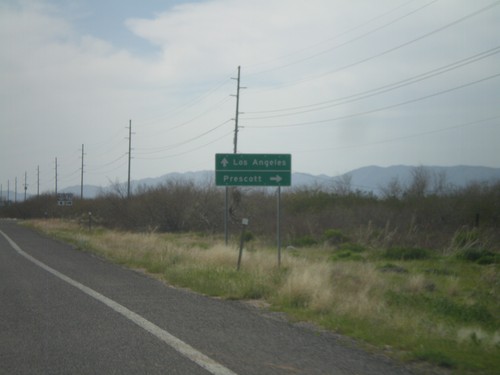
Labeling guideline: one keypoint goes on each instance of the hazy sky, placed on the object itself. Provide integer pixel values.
(339, 84)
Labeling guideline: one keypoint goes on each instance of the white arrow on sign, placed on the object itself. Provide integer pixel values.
(277, 179)
(224, 162)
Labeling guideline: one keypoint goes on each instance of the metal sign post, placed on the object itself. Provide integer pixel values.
(244, 224)
(278, 225)
(254, 170)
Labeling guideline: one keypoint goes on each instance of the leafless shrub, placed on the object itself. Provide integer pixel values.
(403, 216)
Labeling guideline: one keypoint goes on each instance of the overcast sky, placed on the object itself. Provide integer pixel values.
(339, 84)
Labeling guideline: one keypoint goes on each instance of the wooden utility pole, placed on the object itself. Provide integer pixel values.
(237, 112)
(129, 155)
(56, 176)
(235, 144)
(25, 184)
(81, 183)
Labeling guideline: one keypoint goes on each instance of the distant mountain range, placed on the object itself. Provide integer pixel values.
(375, 178)
(367, 179)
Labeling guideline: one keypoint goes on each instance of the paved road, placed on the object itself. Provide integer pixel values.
(63, 311)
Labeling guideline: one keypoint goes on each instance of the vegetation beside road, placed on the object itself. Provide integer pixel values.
(414, 303)
(414, 271)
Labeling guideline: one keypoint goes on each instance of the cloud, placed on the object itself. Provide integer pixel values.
(60, 89)
(62, 86)
(229, 33)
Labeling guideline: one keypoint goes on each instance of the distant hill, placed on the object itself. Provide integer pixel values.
(367, 179)
(375, 178)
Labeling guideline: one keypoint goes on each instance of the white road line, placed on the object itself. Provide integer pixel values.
(186, 350)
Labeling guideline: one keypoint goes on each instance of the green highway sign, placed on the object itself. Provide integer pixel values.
(253, 169)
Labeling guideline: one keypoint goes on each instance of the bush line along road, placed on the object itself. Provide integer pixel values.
(65, 311)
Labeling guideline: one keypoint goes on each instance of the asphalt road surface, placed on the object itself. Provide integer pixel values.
(63, 311)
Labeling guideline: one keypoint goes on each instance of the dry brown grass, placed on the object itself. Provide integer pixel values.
(357, 288)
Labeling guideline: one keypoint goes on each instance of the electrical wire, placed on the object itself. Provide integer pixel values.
(188, 151)
(66, 177)
(352, 40)
(104, 142)
(125, 162)
(319, 122)
(175, 145)
(211, 109)
(376, 91)
(385, 52)
(397, 139)
(186, 105)
(348, 31)
(92, 168)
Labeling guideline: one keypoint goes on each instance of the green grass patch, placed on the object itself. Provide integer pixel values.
(444, 307)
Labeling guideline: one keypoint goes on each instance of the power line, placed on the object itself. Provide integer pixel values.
(359, 37)
(95, 169)
(184, 123)
(68, 176)
(317, 122)
(376, 91)
(188, 151)
(175, 145)
(187, 104)
(120, 166)
(387, 51)
(363, 24)
(415, 135)
(106, 143)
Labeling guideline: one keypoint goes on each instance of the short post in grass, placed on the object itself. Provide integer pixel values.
(90, 221)
(244, 224)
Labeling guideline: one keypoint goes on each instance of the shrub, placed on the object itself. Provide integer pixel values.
(248, 236)
(479, 256)
(334, 236)
(407, 253)
(389, 267)
(352, 247)
(346, 255)
(304, 241)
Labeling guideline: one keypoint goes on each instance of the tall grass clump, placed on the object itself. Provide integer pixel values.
(307, 286)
